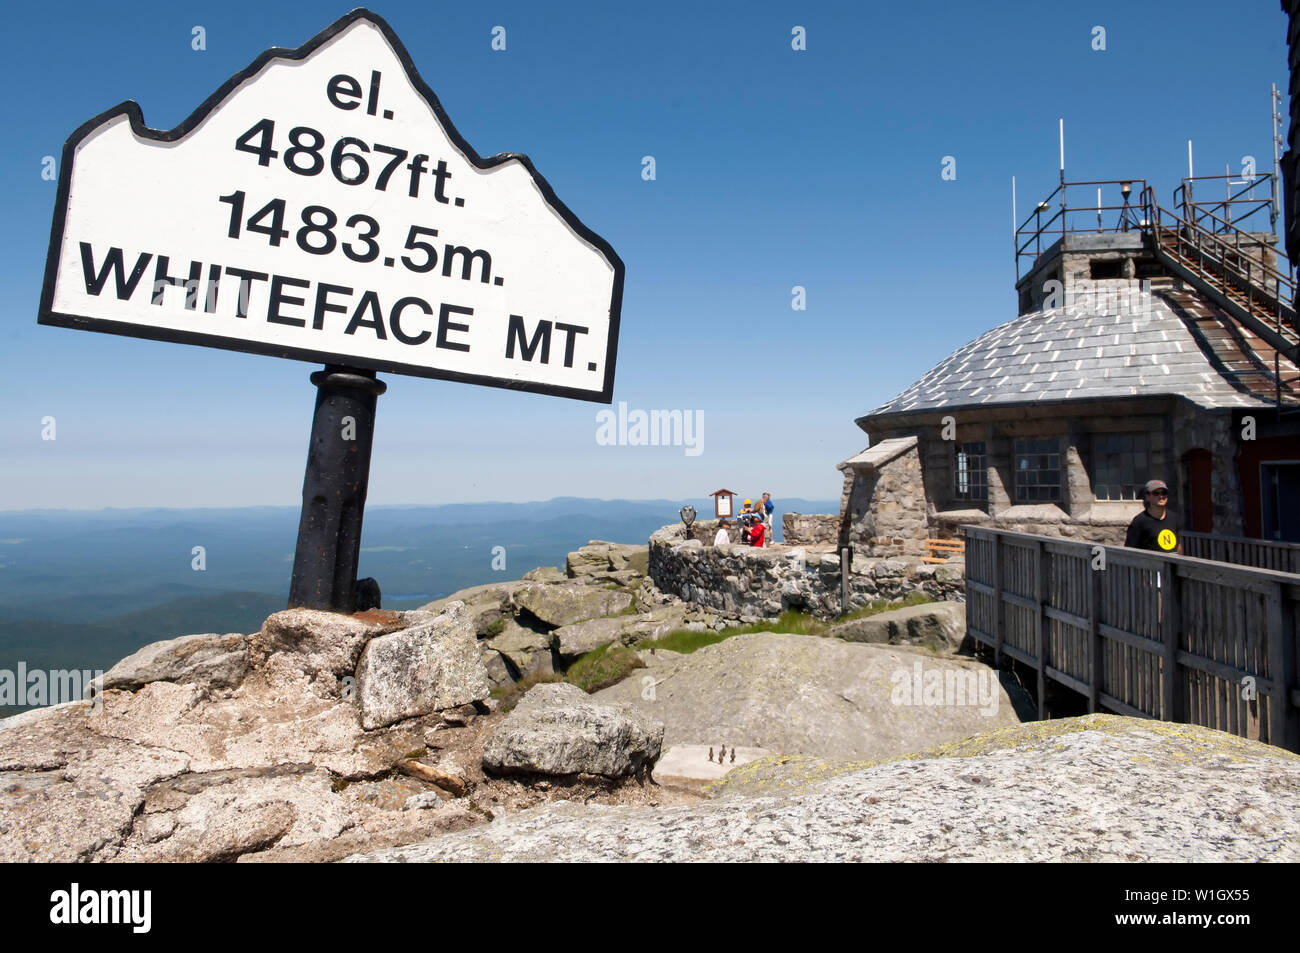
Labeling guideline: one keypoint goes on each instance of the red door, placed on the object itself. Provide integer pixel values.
(1200, 504)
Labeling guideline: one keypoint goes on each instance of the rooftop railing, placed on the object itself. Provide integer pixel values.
(1076, 208)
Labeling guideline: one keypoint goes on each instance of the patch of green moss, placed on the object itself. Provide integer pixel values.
(1192, 739)
(495, 628)
(796, 623)
(784, 774)
(603, 667)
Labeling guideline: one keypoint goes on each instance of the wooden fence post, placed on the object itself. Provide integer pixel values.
(965, 575)
(1283, 730)
(997, 600)
(1171, 623)
(846, 567)
(1040, 625)
(1095, 663)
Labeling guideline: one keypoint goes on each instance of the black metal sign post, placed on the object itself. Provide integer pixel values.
(334, 489)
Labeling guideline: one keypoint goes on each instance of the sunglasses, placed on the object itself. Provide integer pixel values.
(1158, 493)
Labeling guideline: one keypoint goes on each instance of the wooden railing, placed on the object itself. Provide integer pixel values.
(1242, 551)
(1140, 633)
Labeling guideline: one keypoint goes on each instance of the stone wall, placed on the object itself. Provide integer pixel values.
(886, 509)
(751, 584)
(1107, 523)
(801, 529)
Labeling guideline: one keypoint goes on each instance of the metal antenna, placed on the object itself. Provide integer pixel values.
(1277, 141)
(1015, 226)
(1062, 138)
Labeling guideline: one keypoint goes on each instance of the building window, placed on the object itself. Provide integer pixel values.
(972, 471)
(1106, 269)
(1120, 465)
(1038, 471)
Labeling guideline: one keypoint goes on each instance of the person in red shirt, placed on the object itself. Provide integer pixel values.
(756, 533)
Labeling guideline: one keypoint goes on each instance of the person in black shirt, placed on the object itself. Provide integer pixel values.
(1155, 527)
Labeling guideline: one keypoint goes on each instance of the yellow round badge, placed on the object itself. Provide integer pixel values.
(1167, 540)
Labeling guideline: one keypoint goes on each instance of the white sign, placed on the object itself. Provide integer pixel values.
(321, 206)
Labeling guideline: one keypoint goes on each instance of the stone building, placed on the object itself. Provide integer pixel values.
(1130, 360)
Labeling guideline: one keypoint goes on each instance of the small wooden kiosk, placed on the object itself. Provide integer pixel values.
(723, 504)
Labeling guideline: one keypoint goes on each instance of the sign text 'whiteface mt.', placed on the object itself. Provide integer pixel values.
(321, 206)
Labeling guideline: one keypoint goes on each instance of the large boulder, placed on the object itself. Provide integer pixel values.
(219, 661)
(1101, 788)
(560, 604)
(582, 637)
(544, 574)
(277, 767)
(315, 643)
(599, 557)
(425, 668)
(632, 558)
(593, 557)
(556, 729)
(803, 694)
(498, 670)
(486, 605)
(937, 625)
(526, 649)
(655, 623)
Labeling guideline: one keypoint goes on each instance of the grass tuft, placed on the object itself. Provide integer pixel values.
(591, 672)
(603, 667)
(799, 623)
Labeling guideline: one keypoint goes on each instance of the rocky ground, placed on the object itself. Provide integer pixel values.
(819, 696)
(380, 736)
(1098, 788)
(318, 736)
(540, 624)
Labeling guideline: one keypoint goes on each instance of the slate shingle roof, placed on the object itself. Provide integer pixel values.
(1122, 348)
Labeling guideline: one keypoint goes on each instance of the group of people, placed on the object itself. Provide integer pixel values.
(755, 522)
(1153, 528)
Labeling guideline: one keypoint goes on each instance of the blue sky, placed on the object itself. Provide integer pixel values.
(775, 168)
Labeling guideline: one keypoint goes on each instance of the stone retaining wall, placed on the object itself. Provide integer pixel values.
(819, 529)
(751, 584)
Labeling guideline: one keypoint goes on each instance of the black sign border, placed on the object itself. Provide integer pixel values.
(132, 111)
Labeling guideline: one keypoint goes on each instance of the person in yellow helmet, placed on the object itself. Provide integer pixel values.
(745, 519)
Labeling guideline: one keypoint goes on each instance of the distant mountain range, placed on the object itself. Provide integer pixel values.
(82, 589)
